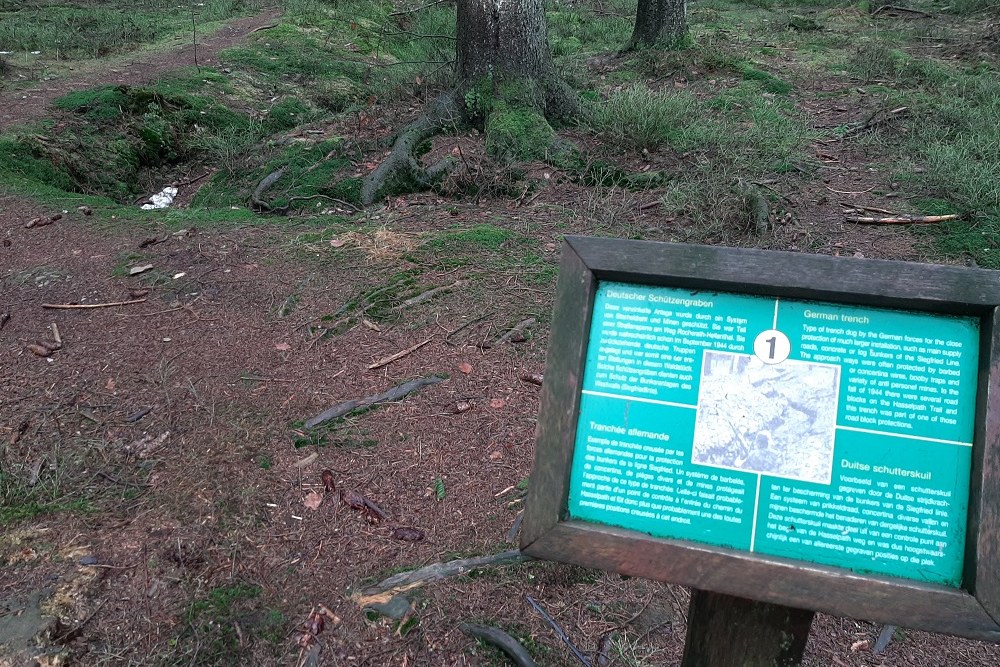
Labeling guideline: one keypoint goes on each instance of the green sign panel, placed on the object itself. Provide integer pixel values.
(832, 434)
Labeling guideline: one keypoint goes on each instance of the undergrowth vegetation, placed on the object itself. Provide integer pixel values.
(294, 108)
(83, 29)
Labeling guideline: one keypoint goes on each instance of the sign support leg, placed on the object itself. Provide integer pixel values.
(727, 631)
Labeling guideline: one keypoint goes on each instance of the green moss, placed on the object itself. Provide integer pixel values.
(286, 114)
(768, 81)
(477, 237)
(519, 133)
(25, 159)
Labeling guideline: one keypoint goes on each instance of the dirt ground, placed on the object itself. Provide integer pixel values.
(199, 529)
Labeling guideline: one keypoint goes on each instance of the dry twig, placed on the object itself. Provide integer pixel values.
(902, 219)
(385, 590)
(399, 355)
(394, 394)
(559, 631)
(85, 306)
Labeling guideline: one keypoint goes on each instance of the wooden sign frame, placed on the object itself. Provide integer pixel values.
(971, 611)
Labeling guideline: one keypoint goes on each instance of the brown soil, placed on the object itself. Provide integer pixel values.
(226, 362)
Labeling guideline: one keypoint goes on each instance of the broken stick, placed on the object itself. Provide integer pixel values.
(558, 630)
(903, 219)
(518, 329)
(83, 306)
(424, 296)
(55, 334)
(394, 394)
(399, 355)
(385, 590)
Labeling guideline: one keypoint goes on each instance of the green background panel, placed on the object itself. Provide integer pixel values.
(629, 504)
(949, 466)
(678, 423)
(758, 311)
(963, 332)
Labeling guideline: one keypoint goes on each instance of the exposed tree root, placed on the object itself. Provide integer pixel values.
(402, 169)
(501, 640)
(405, 581)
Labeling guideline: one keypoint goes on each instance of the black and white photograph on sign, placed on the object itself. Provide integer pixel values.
(773, 419)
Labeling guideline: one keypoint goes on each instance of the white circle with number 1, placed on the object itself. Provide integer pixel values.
(772, 346)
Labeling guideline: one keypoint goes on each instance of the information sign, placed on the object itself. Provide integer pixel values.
(810, 432)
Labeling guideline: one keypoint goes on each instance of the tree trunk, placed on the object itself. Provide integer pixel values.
(658, 22)
(727, 631)
(508, 40)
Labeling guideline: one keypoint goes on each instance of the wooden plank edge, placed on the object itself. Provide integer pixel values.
(984, 493)
(548, 485)
(894, 284)
(781, 581)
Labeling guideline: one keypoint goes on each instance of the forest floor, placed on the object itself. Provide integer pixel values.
(162, 501)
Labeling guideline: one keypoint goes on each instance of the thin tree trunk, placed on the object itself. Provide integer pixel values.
(658, 22)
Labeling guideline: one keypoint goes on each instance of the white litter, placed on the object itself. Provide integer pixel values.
(161, 199)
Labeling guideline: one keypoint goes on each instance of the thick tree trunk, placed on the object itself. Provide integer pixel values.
(507, 40)
(658, 22)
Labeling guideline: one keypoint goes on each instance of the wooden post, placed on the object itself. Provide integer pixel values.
(727, 631)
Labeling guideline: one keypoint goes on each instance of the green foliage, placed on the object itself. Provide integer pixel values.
(439, 490)
(638, 116)
(125, 130)
(518, 133)
(25, 158)
(212, 621)
(955, 140)
(343, 62)
(878, 61)
(82, 29)
(971, 7)
(310, 170)
(768, 81)
(754, 133)
(575, 31)
(471, 240)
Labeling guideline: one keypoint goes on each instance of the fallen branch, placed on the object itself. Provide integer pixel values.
(905, 10)
(875, 120)
(263, 187)
(394, 394)
(873, 209)
(385, 590)
(284, 209)
(501, 640)
(424, 296)
(760, 214)
(447, 338)
(55, 334)
(902, 219)
(517, 329)
(84, 306)
(559, 631)
(263, 27)
(403, 12)
(399, 355)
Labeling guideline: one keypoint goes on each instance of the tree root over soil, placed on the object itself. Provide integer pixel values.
(394, 394)
(384, 591)
(402, 169)
(501, 640)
